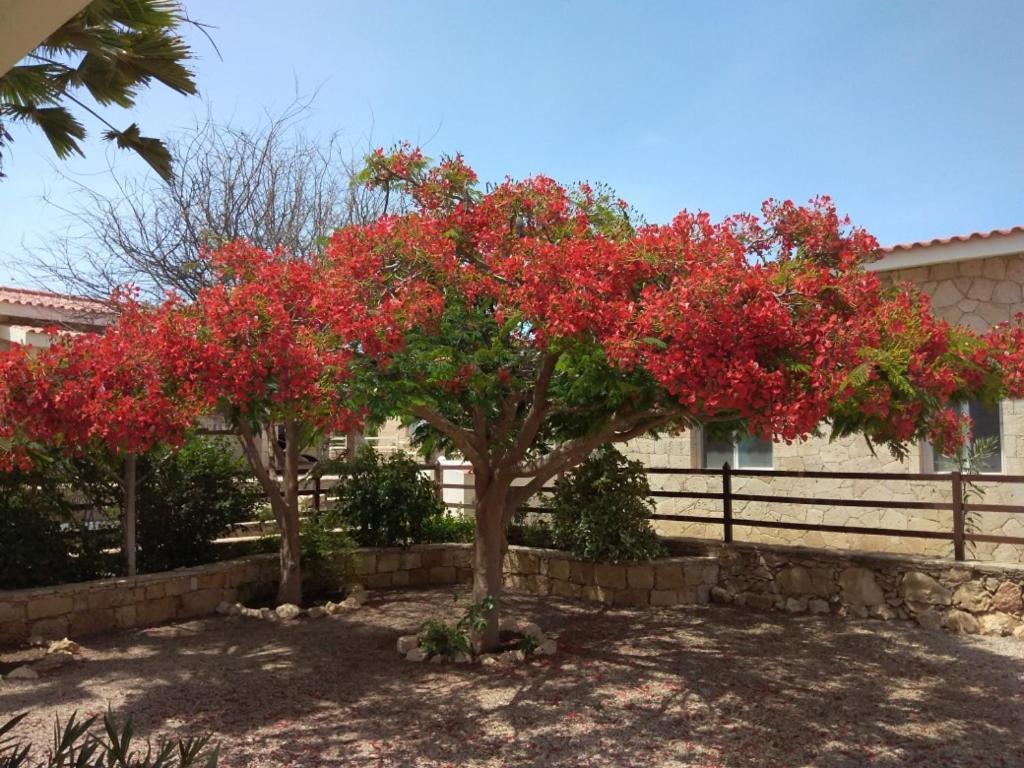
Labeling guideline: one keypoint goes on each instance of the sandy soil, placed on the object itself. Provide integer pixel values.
(673, 687)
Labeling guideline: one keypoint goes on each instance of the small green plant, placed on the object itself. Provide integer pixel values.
(601, 509)
(327, 549)
(76, 744)
(974, 459)
(384, 502)
(439, 638)
(447, 528)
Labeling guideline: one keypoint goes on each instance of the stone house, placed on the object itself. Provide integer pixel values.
(976, 280)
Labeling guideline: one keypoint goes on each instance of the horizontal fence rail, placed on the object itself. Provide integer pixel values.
(725, 517)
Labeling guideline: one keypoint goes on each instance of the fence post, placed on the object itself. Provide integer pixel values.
(958, 515)
(439, 480)
(727, 503)
(316, 494)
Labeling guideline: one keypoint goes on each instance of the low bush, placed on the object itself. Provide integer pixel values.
(446, 528)
(438, 638)
(186, 499)
(80, 744)
(600, 510)
(40, 542)
(531, 530)
(327, 550)
(383, 501)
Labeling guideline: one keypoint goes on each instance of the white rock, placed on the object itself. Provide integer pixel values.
(532, 630)
(23, 673)
(53, 661)
(406, 643)
(316, 612)
(463, 658)
(489, 660)
(351, 603)
(252, 613)
(357, 590)
(288, 612)
(223, 608)
(436, 658)
(416, 654)
(67, 644)
(548, 648)
(516, 655)
(796, 605)
(817, 606)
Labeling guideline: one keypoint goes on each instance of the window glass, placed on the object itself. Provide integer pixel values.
(755, 453)
(717, 451)
(986, 429)
(748, 453)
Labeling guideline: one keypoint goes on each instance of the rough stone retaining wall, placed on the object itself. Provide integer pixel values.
(972, 597)
(92, 607)
(668, 581)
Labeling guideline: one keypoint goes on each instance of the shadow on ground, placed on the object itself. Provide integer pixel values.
(671, 687)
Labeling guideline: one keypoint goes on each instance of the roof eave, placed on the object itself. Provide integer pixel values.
(941, 253)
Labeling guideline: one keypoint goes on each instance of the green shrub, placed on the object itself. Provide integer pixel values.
(77, 743)
(531, 530)
(601, 508)
(327, 549)
(41, 544)
(446, 528)
(186, 499)
(384, 502)
(438, 638)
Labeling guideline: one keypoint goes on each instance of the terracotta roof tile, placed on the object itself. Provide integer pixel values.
(48, 300)
(954, 239)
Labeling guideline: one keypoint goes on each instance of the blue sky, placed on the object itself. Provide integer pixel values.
(909, 114)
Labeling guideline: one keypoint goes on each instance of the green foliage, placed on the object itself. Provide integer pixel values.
(601, 508)
(327, 548)
(77, 744)
(41, 544)
(439, 638)
(186, 499)
(446, 528)
(531, 531)
(384, 502)
(110, 50)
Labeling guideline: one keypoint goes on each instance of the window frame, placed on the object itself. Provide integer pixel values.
(928, 450)
(735, 463)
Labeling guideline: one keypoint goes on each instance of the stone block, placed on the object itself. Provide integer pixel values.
(400, 579)
(1007, 598)
(581, 572)
(156, 611)
(377, 580)
(364, 563)
(693, 574)
(419, 577)
(565, 589)
(921, 588)
(388, 562)
(198, 603)
(859, 587)
(610, 576)
(177, 587)
(759, 602)
(154, 591)
(411, 560)
(961, 621)
(596, 594)
(662, 597)
(795, 580)
(972, 596)
(442, 574)
(124, 616)
(53, 605)
(669, 576)
(640, 577)
(558, 569)
(998, 624)
(212, 581)
(631, 597)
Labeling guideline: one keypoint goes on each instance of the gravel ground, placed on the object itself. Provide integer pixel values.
(671, 687)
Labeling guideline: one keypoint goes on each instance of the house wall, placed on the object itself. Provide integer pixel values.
(976, 293)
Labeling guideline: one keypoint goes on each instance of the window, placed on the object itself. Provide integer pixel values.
(986, 437)
(745, 453)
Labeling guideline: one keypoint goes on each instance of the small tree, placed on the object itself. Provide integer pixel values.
(566, 325)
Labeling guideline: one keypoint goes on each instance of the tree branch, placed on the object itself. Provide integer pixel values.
(462, 439)
(538, 410)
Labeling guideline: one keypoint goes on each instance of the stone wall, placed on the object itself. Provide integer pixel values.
(668, 581)
(92, 607)
(977, 294)
(972, 597)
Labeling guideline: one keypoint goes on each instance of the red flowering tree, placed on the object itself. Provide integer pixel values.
(565, 324)
(270, 345)
(101, 394)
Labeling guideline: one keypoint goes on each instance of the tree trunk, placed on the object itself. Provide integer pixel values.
(128, 524)
(290, 587)
(488, 560)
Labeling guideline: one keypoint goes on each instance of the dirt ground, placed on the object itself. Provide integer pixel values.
(688, 686)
